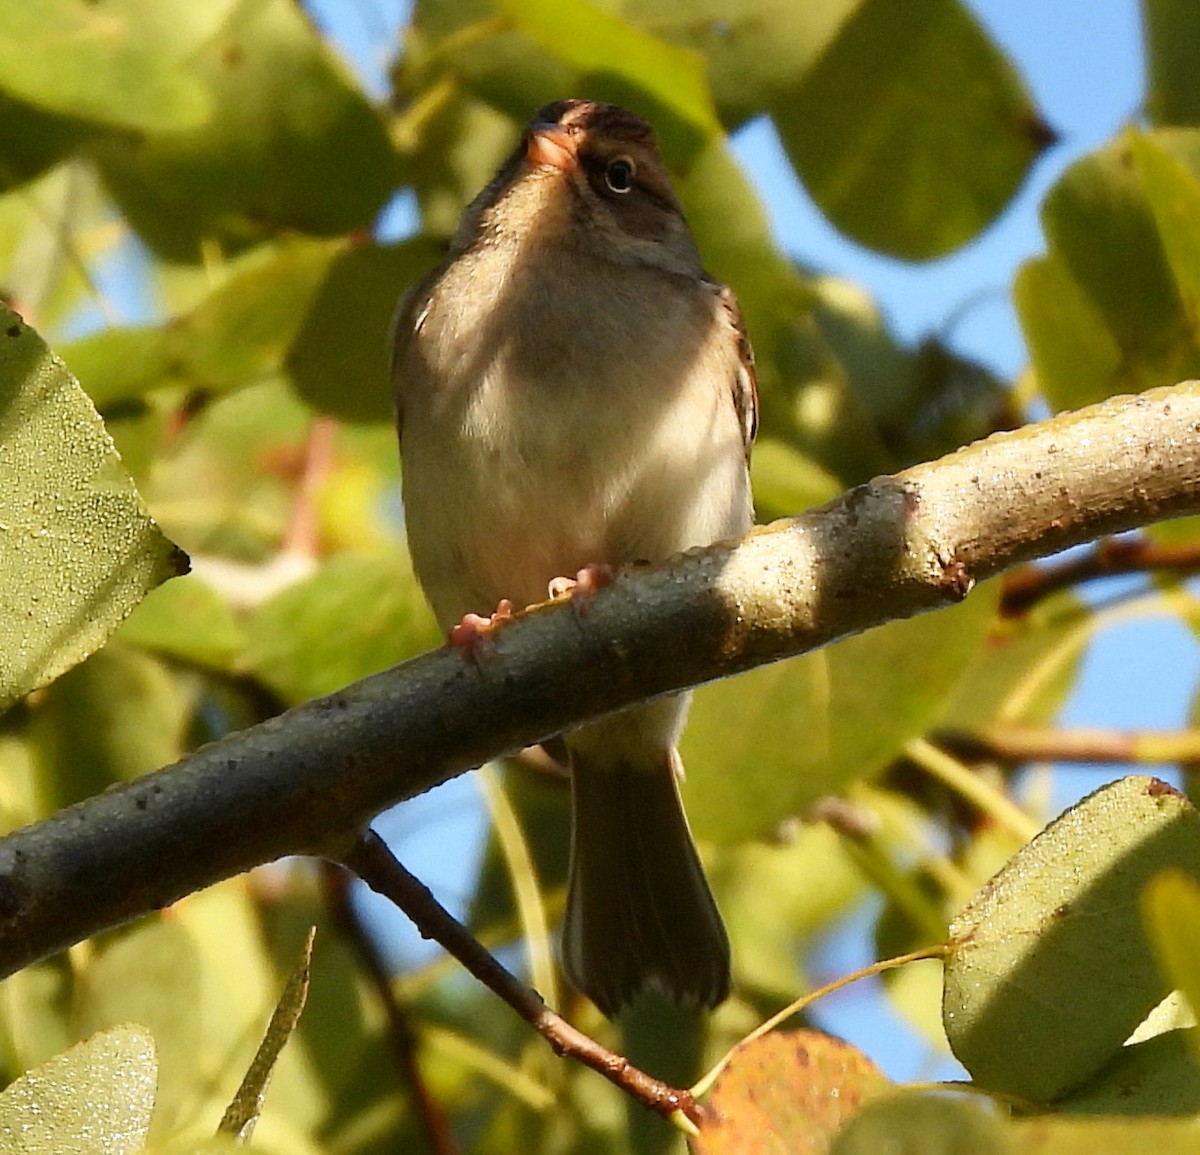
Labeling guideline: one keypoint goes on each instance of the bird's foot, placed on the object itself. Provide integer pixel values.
(472, 636)
(584, 586)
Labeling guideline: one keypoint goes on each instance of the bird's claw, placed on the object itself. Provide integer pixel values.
(472, 638)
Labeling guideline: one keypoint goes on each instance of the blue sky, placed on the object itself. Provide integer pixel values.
(1082, 60)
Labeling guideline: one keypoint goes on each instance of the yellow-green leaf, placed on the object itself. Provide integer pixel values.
(1172, 31)
(87, 61)
(77, 548)
(912, 130)
(1171, 908)
(665, 82)
(95, 1099)
(909, 1124)
(1049, 971)
(762, 746)
(353, 617)
(1173, 192)
(340, 359)
(292, 142)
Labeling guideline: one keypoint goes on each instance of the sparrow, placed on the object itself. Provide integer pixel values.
(574, 393)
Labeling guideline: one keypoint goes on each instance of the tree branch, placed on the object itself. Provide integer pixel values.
(375, 864)
(309, 780)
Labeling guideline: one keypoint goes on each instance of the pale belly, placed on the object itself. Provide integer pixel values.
(608, 487)
(530, 452)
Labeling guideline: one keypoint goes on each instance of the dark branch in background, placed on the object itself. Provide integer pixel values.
(1025, 587)
(375, 864)
(309, 780)
(438, 1134)
(1020, 744)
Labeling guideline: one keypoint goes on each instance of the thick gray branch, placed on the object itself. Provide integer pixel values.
(894, 547)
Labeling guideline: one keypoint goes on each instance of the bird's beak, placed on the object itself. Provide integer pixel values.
(550, 145)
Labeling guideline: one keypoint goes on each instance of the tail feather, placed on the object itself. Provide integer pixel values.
(639, 910)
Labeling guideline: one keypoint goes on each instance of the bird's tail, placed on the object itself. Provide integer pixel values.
(639, 910)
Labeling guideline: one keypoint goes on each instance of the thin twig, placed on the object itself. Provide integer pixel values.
(335, 883)
(951, 772)
(303, 529)
(374, 863)
(1025, 587)
(1019, 744)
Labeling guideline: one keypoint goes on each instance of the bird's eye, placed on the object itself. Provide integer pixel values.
(619, 175)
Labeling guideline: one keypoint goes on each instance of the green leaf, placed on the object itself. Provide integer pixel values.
(1155, 1077)
(1171, 909)
(1114, 306)
(78, 550)
(761, 747)
(292, 143)
(1103, 232)
(1106, 1136)
(771, 914)
(786, 482)
(239, 984)
(1099, 223)
(339, 362)
(914, 99)
(1172, 31)
(95, 1099)
(1049, 971)
(354, 617)
(229, 484)
(188, 620)
(151, 976)
(531, 53)
(1173, 193)
(754, 49)
(462, 55)
(241, 333)
(35, 1004)
(117, 364)
(756, 749)
(118, 715)
(931, 1125)
(337, 1078)
(848, 380)
(33, 140)
(1025, 670)
(87, 61)
(622, 63)
(1077, 360)
(236, 336)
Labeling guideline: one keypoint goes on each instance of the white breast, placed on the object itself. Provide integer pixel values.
(552, 422)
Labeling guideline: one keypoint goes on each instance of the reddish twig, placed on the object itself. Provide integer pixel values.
(374, 863)
(1018, 744)
(336, 885)
(302, 531)
(1024, 587)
